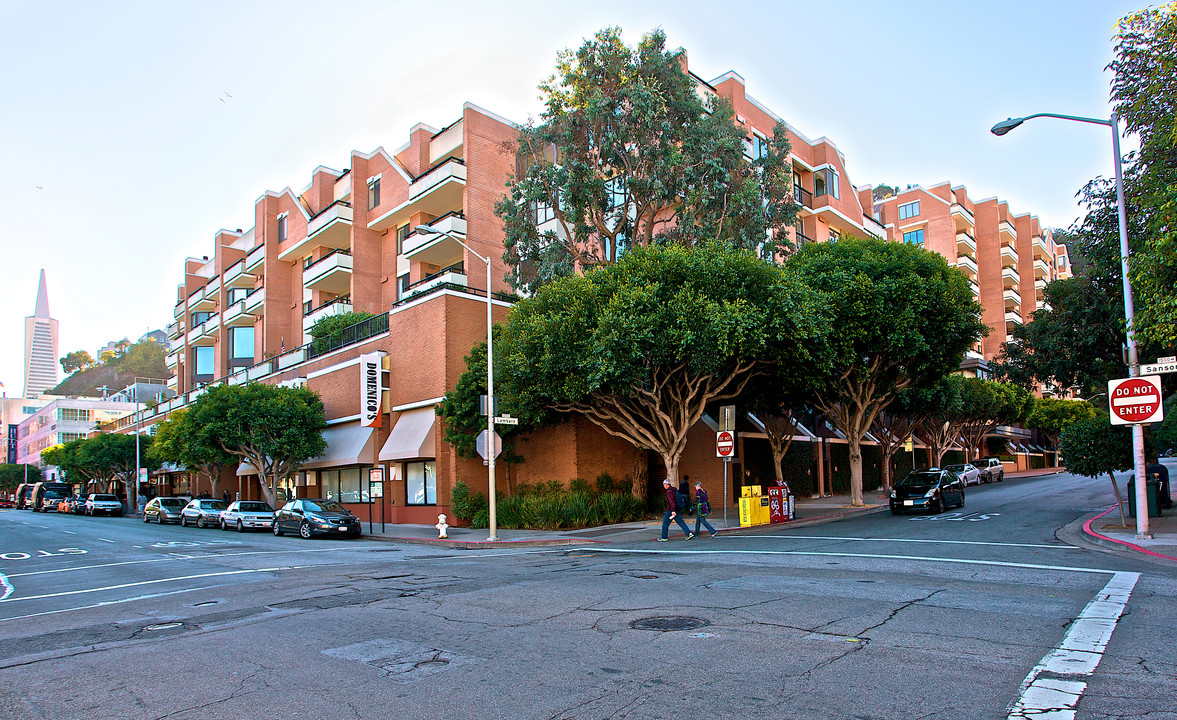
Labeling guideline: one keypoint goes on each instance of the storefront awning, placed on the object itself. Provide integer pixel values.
(246, 469)
(348, 444)
(172, 468)
(412, 436)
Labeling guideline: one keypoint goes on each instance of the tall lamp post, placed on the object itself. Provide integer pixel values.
(490, 377)
(1113, 122)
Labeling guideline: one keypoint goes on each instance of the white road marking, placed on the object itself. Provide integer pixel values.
(110, 602)
(105, 540)
(1076, 656)
(69, 532)
(7, 586)
(906, 540)
(171, 558)
(151, 582)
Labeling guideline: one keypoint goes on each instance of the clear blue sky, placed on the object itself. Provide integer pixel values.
(122, 153)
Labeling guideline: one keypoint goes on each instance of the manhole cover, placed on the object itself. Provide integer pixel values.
(164, 626)
(668, 624)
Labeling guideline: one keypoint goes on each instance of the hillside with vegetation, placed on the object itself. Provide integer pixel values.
(144, 359)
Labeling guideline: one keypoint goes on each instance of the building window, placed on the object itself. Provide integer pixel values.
(421, 483)
(835, 235)
(199, 318)
(241, 345)
(825, 182)
(65, 437)
(282, 228)
(615, 193)
(402, 286)
(915, 237)
(402, 232)
(909, 210)
(74, 414)
(373, 193)
(541, 213)
(205, 361)
(236, 295)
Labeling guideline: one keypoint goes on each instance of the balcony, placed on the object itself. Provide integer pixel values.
(967, 265)
(454, 275)
(1009, 256)
(803, 197)
(238, 314)
(175, 330)
(204, 300)
(962, 216)
(437, 192)
(975, 289)
(173, 357)
(206, 332)
(1012, 318)
(874, 227)
(1040, 249)
(331, 273)
(237, 277)
(1012, 298)
(1010, 277)
(255, 302)
(255, 261)
(331, 227)
(179, 310)
(1005, 227)
(966, 244)
(336, 306)
(1041, 268)
(437, 249)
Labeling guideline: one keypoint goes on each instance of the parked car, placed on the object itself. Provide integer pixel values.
(77, 505)
(247, 514)
(930, 489)
(46, 495)
(5, 503)
(202, 513)
(103, 504)
(967, 472)
(65, 505)
(24, 493)
(315, 516)
(164, 510)
(991, 469)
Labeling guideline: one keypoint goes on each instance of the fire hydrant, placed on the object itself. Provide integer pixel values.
(441, 527)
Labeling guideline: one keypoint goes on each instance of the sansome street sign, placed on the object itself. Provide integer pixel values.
(1135, 400)
(1162, 365)
(725, 444)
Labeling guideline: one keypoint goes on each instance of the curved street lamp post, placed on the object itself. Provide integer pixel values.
(1113, 122)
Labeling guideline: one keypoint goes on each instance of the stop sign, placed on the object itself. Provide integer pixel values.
(1135, 400)
(725, 443)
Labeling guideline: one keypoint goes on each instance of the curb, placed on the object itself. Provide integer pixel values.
(1118, 544)
(451, 544)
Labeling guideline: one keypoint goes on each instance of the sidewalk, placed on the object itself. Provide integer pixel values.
(807, 512)
(1105, 529)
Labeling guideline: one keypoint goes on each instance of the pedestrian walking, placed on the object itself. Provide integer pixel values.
(702, 509)
(684, 495)
(672, 512)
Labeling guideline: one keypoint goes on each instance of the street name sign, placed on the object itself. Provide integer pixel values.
(506, 420)
(725, 444)
(1134, 401)
(1161, 366)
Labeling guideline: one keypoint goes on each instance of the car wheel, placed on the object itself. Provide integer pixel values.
(146, 519)
(240, 527)
(894, 511)
(304, 531)
(183, 521)
(1001, 476)
(961, 503)
(277, 529)
(200, 522)
(938, 508)
(222, 525)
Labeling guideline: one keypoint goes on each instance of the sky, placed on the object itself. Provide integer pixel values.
(130, 132)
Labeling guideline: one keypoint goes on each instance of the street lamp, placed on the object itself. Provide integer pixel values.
(1113, 122)
(490, 377)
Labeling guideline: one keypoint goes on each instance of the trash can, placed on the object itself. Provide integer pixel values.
(1150, 488)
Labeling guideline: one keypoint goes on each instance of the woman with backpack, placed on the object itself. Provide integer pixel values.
(702, 509)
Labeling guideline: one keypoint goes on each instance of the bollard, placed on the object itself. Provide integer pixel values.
(441, 527)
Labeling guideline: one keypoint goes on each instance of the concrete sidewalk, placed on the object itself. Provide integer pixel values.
(1105, 529)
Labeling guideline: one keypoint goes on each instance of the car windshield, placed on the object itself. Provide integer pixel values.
(957, 468)
(55, 494)
(172, 502)
(214, 504)
(917, 479)
(106, 498)
(255, 507)
(323, 506)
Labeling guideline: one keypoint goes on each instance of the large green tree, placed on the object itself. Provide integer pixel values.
(1095, 447)
(76, 360)
(13, 475)
(1053, 415)
(181, 441)
(1144, 90)
(274, 429)
(74, 462)
(627, 153)
(986, 404)
(643, 346)
(901, 317)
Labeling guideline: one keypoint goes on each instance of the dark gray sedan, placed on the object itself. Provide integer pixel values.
(927, 489)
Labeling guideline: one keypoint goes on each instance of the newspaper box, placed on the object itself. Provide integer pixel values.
(781, 505)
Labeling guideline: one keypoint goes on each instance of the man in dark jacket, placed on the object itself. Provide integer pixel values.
(1160, 473)
(672, 512)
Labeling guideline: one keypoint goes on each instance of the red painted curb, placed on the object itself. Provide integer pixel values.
(1087, 529)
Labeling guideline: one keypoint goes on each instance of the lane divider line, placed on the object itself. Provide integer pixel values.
(1056, 684)
(7, 586)
(104, 603)
(152, 582)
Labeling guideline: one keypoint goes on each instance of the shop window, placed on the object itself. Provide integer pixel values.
(909, 210)
(421, 483)
(349, 485)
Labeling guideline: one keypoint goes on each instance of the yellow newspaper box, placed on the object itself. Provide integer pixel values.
(761, 514)
(753, 507)
(746, 511)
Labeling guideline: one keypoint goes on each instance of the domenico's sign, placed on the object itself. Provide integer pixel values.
(371, 390)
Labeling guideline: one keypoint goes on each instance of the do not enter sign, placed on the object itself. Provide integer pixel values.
(1135, 400)
(725, 444)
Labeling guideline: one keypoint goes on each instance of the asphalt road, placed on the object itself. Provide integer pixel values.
(976, 613)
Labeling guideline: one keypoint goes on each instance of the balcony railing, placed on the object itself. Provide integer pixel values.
(349, 336)
(454, 275)
(802, 196)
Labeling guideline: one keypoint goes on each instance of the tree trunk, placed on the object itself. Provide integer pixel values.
(855, 469)
(671, 462)
(640, 474)
(268, 490)
(1119, 500)
(888, 452)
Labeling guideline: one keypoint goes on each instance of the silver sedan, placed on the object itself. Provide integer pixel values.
(966, 472)
(247, 515)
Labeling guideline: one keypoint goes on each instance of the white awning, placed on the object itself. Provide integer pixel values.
(412, 437)
(348, 444)
(246, 469)
(172, 468)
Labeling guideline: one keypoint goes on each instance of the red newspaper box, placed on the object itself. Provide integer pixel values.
(780, 505)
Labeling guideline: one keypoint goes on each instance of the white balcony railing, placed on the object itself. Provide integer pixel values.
(967, 264)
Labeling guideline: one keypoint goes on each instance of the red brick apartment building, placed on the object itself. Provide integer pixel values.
(346, 242)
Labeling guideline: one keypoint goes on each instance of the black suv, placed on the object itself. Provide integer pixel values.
(991, 469)
(315, 516)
